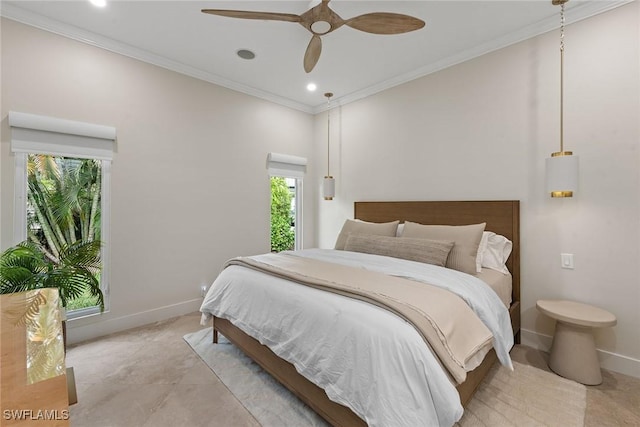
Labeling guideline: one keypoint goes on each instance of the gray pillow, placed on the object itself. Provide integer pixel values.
(422, 250)
(466, 237)
(361, 227)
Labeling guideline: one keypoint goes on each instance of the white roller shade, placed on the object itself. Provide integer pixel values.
(31, 133)
(286, 165)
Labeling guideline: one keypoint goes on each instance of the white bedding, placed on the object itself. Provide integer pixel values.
(363, 356)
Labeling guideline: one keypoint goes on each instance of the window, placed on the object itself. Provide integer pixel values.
(62, 187)
(286, 174)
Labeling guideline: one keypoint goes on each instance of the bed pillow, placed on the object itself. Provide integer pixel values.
(362, 227)
(422, 250)
(466, 237)
(493, 252)
(481, 248)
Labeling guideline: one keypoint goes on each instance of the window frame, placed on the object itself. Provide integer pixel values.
(291, 167)
(299, 238)
(32, 134)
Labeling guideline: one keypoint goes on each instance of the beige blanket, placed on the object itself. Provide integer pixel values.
(444, 320)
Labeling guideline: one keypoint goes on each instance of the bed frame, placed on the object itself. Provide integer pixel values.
(502, 217)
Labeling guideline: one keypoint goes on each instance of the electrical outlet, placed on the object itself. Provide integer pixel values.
(203, 290)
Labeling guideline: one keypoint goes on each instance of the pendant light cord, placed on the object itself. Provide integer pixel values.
(562, 77)
(328, 95)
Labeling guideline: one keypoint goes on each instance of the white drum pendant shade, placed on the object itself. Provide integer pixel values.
(329, 188)
(562, 175)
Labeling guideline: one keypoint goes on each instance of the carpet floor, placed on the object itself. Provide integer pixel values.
(525, 397)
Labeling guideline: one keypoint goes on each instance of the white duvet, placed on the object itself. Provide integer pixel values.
(363, 356)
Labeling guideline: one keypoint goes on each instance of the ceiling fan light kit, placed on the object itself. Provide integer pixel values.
(321, 20)
(320, 27)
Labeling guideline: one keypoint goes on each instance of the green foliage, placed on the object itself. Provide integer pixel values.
(25, 267)
(282, 221)
(64, 213)
(82, 301)
(63, 201)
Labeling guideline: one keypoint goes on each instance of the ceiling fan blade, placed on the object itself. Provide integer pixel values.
(385, 23)
(312, 54)
(244, 14)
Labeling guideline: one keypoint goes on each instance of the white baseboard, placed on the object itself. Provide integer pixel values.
(608, 360)
(83, 329)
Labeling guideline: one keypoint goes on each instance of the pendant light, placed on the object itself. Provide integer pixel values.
(562, 166)
(329, 184)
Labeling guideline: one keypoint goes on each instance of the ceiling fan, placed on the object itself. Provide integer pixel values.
(321, 20)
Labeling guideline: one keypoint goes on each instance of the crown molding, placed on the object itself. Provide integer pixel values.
(580, 11)
(32, 19)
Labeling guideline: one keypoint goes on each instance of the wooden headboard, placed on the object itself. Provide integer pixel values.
(502, 217)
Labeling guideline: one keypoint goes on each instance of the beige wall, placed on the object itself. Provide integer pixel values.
(479, 130)
(482, 130)
(189, 182)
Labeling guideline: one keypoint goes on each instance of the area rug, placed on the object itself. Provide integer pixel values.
(525, 397)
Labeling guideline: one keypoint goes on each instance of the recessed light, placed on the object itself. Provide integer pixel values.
(311, 87)
(98, 3)
(246, 54)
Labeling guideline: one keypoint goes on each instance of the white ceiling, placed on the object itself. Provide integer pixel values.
(353, 64)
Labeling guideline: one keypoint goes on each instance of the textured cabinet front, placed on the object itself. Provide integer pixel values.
(33, 384)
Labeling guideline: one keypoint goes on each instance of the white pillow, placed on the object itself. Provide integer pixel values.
(493, 252)
(481, 248)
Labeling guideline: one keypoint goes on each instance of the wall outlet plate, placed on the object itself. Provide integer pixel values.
(566, 261)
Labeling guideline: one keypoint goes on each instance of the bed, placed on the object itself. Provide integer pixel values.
(501, 217)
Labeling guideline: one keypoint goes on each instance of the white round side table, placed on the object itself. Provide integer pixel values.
(573, 352)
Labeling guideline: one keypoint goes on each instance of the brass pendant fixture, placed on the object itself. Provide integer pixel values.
(328, 184)
(562, 166)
